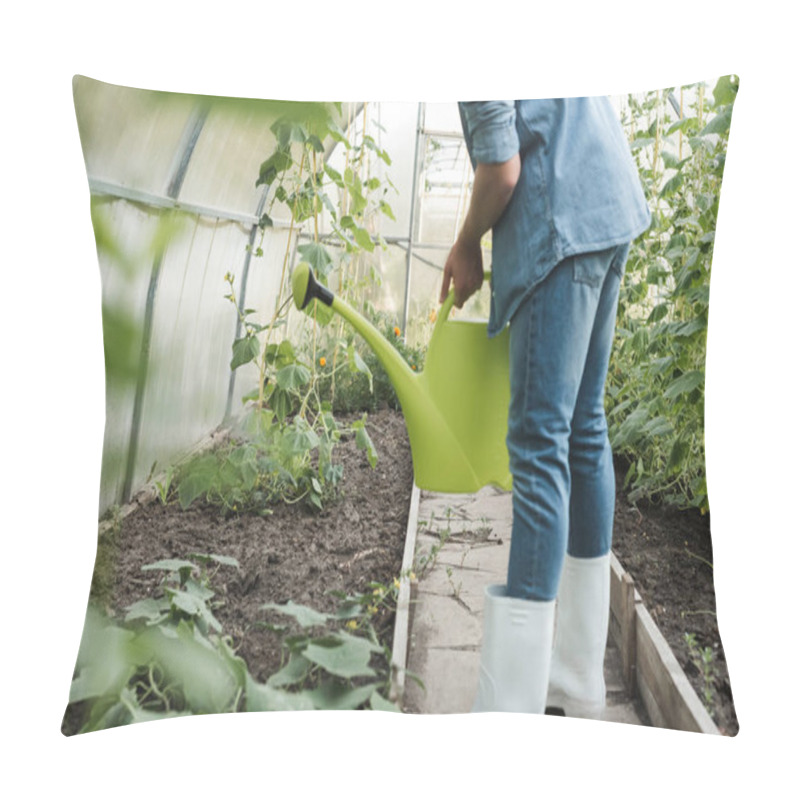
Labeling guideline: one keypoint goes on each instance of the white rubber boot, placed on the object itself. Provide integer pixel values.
(515, 653)
(577, 684)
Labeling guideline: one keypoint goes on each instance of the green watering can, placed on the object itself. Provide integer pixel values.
(456, 409)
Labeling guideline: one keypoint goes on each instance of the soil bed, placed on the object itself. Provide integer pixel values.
(304, 556)
(292, 554)
(668, 554)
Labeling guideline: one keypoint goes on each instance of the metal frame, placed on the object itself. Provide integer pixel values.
(191, 134)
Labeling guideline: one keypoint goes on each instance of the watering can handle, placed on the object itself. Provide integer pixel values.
(447, 305)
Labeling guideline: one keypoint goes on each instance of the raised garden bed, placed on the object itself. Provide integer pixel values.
(292, 554)
(667, 555)
(304, 556)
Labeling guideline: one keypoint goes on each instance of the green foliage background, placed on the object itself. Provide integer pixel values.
(656, 379)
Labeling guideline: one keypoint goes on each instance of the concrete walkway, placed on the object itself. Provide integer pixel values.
(462, 545)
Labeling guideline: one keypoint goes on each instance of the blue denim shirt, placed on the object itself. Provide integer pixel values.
(578, 190)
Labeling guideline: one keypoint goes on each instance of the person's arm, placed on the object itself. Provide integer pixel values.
(491, 192)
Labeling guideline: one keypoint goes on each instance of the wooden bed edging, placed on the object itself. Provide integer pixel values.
(650, 668)
(402, 622)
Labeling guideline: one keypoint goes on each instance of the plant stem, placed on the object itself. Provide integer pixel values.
(271, 327)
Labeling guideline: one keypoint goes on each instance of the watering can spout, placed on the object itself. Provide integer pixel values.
(456, 409)
(306, 288)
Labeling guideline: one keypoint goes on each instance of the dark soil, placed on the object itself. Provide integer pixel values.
(292, 554)
(304, 556)
(669, 556)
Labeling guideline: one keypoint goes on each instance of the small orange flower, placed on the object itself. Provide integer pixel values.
(413, 366)
(396, 331)
(433, 315)
(322, 361)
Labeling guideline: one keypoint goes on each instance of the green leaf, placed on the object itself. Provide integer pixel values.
(198, 590)
(294, 672)
(107, 713)
(244, 350)
(726, 89)
(382, 154)
(227, 561)
(187, 602)
(363, 239)
(354, 187)
(678, 453)
(387, 209)
(690, 327)
(299, 439)
(280, 355)
(357, 364)
(150, 609)
(364, 442)
(348, 659)
(719, 124)
(641, 141)
(278, 162)
(630, 430)
(306, 617)
(197, 481)
(316, 144)
(317, 256)
(338, 696)
(641, 341)
(205, 676)
(672, 185)
(335, 176)
(337, 135)
(171, 564)
(320, 313)
(380, 703)
(657, 273)
(658, 426)
(293, 376)
(684, 125)
(261, 697)
(104, 662)
(289, 130)
(685, 384)
(204, 558)
(670, 160)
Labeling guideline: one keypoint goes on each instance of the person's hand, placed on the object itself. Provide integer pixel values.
(464, 267)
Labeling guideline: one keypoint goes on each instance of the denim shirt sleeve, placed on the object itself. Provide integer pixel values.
(490, 131)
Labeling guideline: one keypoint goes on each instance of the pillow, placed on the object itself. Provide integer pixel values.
(262, 544)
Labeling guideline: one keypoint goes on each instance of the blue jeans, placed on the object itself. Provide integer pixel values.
(560, 456)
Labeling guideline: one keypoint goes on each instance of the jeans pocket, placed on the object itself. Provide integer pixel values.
(590, 268)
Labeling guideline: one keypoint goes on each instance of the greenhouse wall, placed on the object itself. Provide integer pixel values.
(175, 208)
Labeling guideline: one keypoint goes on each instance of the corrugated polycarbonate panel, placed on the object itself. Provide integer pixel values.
(193, 328)
(125, 272)
(235, 140)
(130, 136)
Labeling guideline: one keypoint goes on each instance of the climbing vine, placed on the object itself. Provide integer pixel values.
(679, 139)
